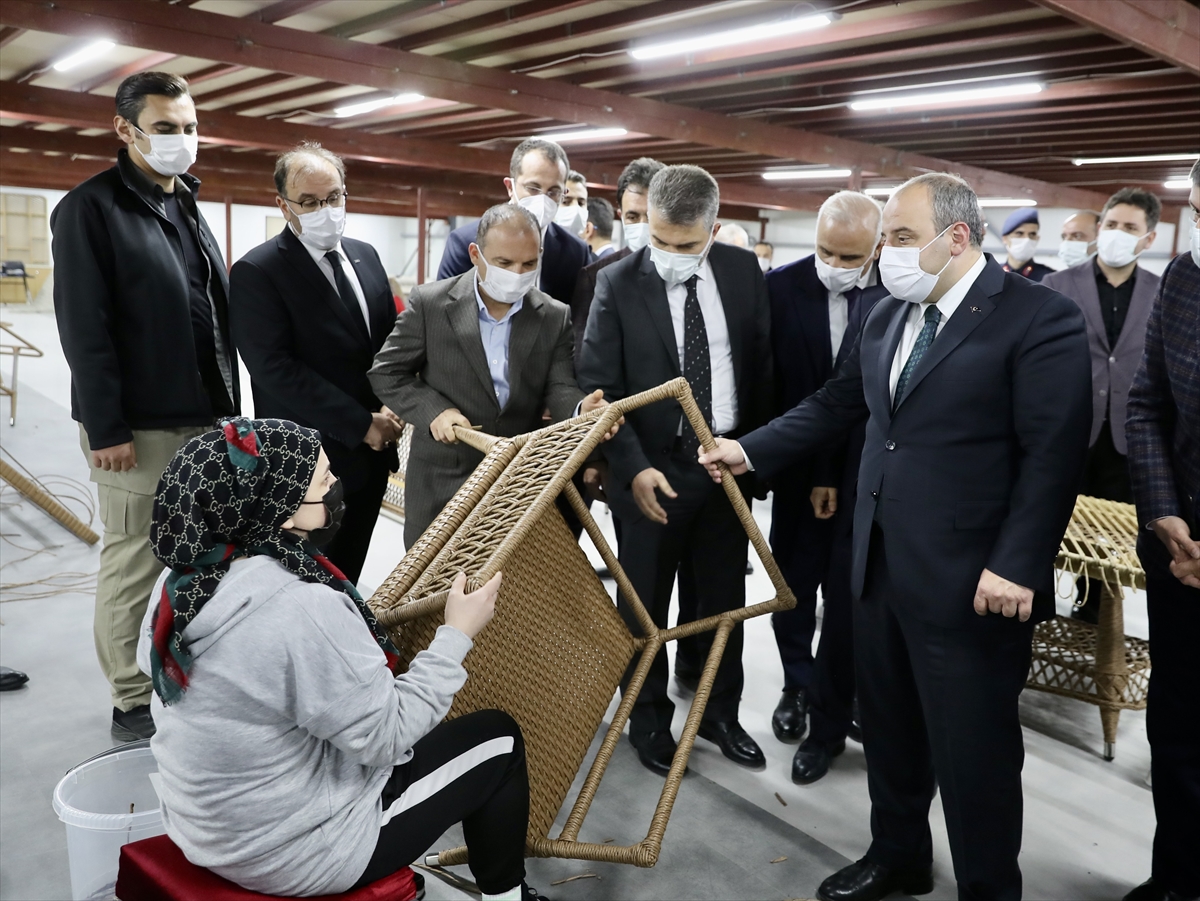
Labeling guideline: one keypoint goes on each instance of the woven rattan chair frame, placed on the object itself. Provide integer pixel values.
(1098, 664)
(505, 518)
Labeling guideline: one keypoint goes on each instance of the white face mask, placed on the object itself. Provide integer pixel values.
(1116, 247)
(322, 229)
(573, 218)
(170, 155)
(1021, 249)
(839, 281)
(543, 207)
(901, 272)
(637, 235)
(1196, 245)
(764, 264)
(677, 268)
(1074, 252)
(504, 286)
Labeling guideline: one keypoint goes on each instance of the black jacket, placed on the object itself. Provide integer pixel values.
(979, 464)
(629, 347)
(307, 358)
(121, 297)
(563, 255)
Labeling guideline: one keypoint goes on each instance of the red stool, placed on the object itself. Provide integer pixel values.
(154, 869)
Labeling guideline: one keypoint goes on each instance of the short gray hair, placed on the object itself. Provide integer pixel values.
(852, 208)
(732, 233)
(953, 200)
(309, 150)
(551, 151)
(684, 195)
(1196, 174)
(507, 214)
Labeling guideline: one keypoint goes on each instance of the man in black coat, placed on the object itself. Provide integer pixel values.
(537, 180)
(140, 298)
(818, 305)
(682, 306)
(976, 386)
(310, 310)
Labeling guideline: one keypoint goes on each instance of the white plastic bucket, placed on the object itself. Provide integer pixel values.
(106, 802)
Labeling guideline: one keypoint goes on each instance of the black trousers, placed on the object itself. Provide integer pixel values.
(831, 690)
(1172, 723)
(349, 547)
(938, 707)
(469, 770)
(703, 540)
(1105, 475)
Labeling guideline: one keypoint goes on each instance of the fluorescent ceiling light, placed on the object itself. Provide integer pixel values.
(937, 98)
(1148, 158)
(880, 192)
(790, 174)
(367, 106)
(729, 38)
(1006, 201)
(584, 134)
(1178, 184)
(87, 54)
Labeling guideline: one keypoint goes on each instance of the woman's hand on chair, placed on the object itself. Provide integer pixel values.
(469, 613)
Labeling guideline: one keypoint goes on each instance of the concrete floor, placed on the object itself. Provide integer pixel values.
(1088, 823)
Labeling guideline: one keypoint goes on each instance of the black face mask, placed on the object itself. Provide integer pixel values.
(335, 509)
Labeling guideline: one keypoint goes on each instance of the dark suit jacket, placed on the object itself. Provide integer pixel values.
(1163, 425)
(434, 360)
(1113, 368)
(585, 290)
(563, 255)
(979, 465)
(629, 346)
(308, 355)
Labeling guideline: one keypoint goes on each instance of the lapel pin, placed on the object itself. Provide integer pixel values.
(976, 310)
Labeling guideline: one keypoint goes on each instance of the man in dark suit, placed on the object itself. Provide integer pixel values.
(1164, 460)
(683, 306)
(597, 234)
(484, 348)
(1116, 301)
(309, 310)
(818, 305)
(537, 180)
(976, 388)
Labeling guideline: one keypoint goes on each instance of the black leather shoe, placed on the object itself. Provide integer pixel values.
(854, 730)
(655, 750)
(529, 893)
(132, 725)
(866, 881)
(790, 716)
(813, 758)
(11, 679)
(734, 743)
(1154, 891)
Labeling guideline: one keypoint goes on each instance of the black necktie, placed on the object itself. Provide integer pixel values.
(853, 324)
(345, 291)
(697, 364)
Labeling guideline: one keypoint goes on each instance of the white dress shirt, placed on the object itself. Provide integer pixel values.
(347, 268)
(839, 312)
(916, 319)
(720, 352)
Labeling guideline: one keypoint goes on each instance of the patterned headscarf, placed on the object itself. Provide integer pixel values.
(227, 494)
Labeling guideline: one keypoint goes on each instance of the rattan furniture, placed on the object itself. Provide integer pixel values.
(1098, 664)
(557, 648)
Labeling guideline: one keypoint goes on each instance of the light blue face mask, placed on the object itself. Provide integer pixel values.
(677, 268)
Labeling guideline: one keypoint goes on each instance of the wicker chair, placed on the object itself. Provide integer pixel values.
(1098, 664)
(557, 648)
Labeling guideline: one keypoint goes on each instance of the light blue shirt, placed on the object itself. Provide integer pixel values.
(495, 334)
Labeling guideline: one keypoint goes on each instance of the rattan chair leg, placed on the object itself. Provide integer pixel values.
(1109, 717)
(53, 508)
(1112, 670)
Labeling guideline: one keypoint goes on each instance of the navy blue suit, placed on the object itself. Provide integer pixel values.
(978, 466)
(563, 255)
(810, 551)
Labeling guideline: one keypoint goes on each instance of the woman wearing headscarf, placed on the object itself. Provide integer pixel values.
(293, 762)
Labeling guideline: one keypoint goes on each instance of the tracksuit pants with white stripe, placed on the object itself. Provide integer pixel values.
(469, 770)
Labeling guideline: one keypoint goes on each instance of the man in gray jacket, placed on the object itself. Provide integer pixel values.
(484, 349)
(1115, 295)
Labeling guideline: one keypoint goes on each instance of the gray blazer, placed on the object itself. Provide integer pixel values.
(434, 360)
(1113, 368)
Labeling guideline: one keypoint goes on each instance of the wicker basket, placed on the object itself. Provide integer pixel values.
(555, 652)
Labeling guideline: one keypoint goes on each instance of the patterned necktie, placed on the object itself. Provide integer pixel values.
(932, 317)
(697, 364)
(346, 292)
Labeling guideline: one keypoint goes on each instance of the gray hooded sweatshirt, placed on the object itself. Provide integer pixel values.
(273, 761)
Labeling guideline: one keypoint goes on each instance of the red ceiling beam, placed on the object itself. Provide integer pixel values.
(389, 17)
(212, 36)
(497, 16)
(284, 9)
(142, 64)
(1167, 29)
(8, 34)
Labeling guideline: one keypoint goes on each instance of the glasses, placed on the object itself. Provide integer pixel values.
(311, 205)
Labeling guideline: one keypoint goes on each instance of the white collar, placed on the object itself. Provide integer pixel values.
(954, 295)
(317, 254)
